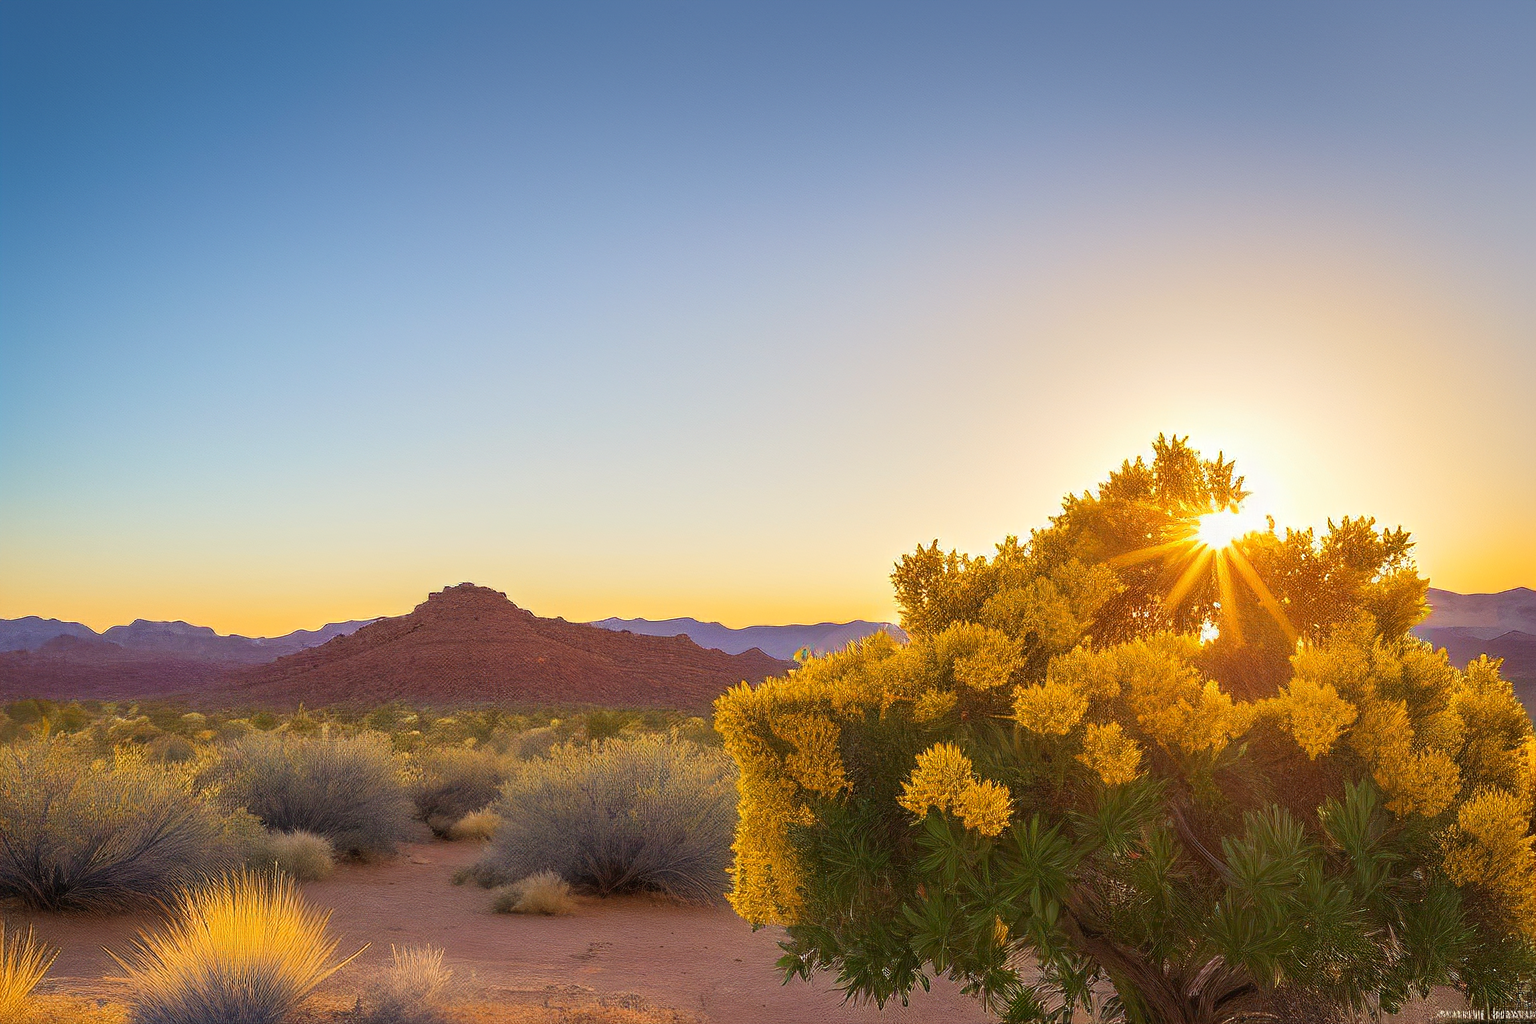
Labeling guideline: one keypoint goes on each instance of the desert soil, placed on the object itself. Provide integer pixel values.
(614, 960)
(705, 963)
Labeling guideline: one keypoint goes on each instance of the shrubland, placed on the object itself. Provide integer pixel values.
(1219, 780)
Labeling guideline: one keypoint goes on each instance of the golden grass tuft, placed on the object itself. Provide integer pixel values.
(478, 825)
(244, 948)
(543, 893)
(411, 990)
(23, 962)
(304, 855)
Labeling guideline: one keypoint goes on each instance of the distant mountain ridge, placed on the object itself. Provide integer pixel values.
(171, 639)
(776, 641)
(1501, 625)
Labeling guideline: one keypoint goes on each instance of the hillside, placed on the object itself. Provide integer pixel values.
(470, 644)
(777, 641)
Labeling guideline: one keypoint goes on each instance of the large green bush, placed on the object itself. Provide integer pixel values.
(105, 834)
(643, 814)
(350, 790)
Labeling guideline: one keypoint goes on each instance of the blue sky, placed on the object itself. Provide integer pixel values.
(306, 309)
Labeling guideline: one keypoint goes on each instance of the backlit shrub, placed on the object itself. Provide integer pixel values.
(348, 790)
(454, 782)
(411, 990)
(475, 825)
(623, 815)
(245, 948)
(23, 962)
(105, 834)
(304, 855)
(543, 893)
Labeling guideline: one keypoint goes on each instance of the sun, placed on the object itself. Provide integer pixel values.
(1223, 528)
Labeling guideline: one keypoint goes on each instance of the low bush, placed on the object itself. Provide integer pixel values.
(23, 962)
(411, 990)
(304, 855)
(543, 893)
(245, 948)
(105, 834)
(454, 782)
(475, 825)
(623, 815)
(348, 790)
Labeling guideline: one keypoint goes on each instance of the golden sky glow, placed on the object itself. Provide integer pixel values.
(623, 327)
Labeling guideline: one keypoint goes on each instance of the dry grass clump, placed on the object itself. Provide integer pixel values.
(304, 855)
(641, 814)
(23, 962)
(347, 789)
(83, 834)
(411, 990)
(245, 948)
(455, 782)
(475, 825)
(543, 893)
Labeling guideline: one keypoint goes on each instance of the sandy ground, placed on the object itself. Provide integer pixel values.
(615, 960)
(704, 962)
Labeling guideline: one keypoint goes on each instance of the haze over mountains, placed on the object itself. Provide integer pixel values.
(777, 641)
(1499, 625)
(174, 639)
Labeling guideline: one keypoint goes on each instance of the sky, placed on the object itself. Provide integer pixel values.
(717, 309)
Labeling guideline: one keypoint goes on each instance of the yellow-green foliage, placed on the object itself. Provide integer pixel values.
(476, 825)
(1113, 662)
(542, 893)
(244, 948)
(23, 962)
(304, 855)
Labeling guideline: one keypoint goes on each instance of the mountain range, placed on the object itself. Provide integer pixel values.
(173, 639)
(777, 641)
(1501, 625)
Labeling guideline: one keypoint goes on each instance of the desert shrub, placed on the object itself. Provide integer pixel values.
(475, 825)
(244, 948)
(542, 893)
(348, 790)
(622, 815)
(105, 834)
(304, 855)
(411, 990)
(534, 742)
(1216, 770)
(23, 962)
(454, 782)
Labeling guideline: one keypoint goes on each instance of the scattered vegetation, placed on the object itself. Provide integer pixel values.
(454, 782)
(641, 814)
(305, 856)
(411, 990)
(1221, 777)
(542, 893)
(348, 789)
(244, 948)
(23, 962)
(103, 834)
(476, 825)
